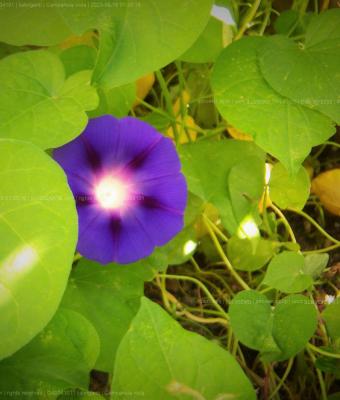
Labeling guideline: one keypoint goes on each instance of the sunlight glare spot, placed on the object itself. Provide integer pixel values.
(189, 247)
(21, 261)
(248, 229)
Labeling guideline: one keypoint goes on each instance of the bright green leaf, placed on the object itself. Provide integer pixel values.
(307, 74)
(281, 127)
(315, 264)
(37, 104)
(295, 321)
(277, 332)
(288, 190)
(117, 101)
(286, 273)
(59, 358)
(147, 37)
(251, 318)
(109, 297)
(161, 359)
(209, 44)
(331, 316)
(49, 25)
(228, 174)
(250, 254)
(39, 221)
(80, 394)
(78, 58)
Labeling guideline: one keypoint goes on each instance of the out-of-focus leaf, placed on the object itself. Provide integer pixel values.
(59, 358)
(327, 187)
(185, 128)
(117, 101)
(38, 227)
(235, 134)
(143, 87)
(78, 58)
(109, 297)
(331, 316)
(208, 45)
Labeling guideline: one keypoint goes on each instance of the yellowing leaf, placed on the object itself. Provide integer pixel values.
(183, 128)
(185, 98)
(327, 187)
(235, 134)
(265, 201)
(143, 87)
(86, 39)
(212, 213)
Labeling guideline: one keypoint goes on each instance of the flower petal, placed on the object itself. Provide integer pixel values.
(161, 161)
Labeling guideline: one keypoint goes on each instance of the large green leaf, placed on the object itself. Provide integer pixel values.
(162, 360)
(278, 333)
(109, 297)
(60, 357)
(283, 128)
(147, 37)
(38, 227)
(209, 44)
(37, 104)
(51, 23)
(307, 74)
(229, 174)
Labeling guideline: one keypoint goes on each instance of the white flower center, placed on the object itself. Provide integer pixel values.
(111, 193)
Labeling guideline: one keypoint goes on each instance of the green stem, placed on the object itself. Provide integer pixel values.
(222, 254)
(320, 377)
(199, 284)
(266, 18)
(324, 250)
(333, 144)
(247, 19)
(323, 352)
(168, 102)
(284, 377)
(317, 226)
(285, 222)
(195, 264)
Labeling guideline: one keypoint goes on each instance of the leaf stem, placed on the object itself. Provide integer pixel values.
(324, 250)
(202, 286)
(313, 222)
(323, 352)
(320, 377)
(247, 19)
(168, 102)
(220, 251)
(285, 221)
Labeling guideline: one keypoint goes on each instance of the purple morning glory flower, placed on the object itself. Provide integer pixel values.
(129, 191)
